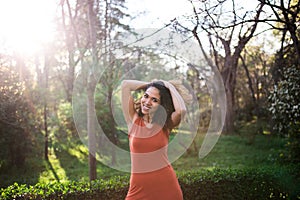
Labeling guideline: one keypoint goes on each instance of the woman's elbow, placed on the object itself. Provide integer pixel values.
(180, 112)
(124, 83)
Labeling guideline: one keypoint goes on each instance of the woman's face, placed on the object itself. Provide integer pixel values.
(150, 101)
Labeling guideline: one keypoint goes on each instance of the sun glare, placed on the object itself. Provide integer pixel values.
(26, 25)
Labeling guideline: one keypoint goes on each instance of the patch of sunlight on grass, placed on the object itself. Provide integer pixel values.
(266, 132)
(209, 168)
(54, 171)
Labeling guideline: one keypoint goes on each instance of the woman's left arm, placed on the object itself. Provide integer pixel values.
(178, 102)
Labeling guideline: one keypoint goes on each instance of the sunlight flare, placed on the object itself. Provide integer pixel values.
(26, 25)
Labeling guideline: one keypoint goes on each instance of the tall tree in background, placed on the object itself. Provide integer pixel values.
(75, 36)
(284, 97)
(228, 32)
(284, 20)
(88, 28)
(255, 66)
(91, 84)
(110, 20)
(287, 16)
(44, 64)
(104, 22)
(44, 86)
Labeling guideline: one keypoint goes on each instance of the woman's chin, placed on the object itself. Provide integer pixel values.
(145, 112)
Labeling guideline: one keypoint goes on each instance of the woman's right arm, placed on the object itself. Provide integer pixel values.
(127, 101)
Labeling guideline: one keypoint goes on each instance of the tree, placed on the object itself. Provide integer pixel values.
(284, 99)
(110, 25)
(255, 66)
(228, 32)
(287, 16)
(88, 28)
(15, 119)
(74, 42)
(104, 19)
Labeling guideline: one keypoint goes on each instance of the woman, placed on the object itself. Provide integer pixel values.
(150, 122)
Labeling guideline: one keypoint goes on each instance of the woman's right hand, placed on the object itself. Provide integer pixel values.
(127, 102)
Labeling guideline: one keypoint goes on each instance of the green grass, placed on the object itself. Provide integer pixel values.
(68, 161)
(235, 152)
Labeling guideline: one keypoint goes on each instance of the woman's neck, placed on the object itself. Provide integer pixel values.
(148, 118)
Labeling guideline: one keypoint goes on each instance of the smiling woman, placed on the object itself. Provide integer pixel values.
(26, 25)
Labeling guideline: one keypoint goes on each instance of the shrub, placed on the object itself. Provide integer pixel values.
(285, 110)
(232, 184)
(196, 185)
(15, 138)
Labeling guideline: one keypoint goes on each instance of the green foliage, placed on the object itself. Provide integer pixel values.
(64, 120)
(98, 189)
(14, 120)
(285, 110)
(252, 183)
(198, 184)
(233, 170)
(285, 102)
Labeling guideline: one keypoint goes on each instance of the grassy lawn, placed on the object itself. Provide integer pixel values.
(235, 152)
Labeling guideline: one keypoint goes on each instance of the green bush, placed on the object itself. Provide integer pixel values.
(114, 188)
(205, 184)
(233, 184)
(285, 110)
(15, 120)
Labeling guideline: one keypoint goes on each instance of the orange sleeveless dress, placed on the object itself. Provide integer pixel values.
(152, 176)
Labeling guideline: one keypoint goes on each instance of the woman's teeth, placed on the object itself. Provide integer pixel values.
(146, 107)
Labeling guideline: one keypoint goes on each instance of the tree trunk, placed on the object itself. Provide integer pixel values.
(112, 126)
(46, 131)
(228, 73)
(229, 78)
(91, 129)
(45, 108)
(71, 38)
(91, 89)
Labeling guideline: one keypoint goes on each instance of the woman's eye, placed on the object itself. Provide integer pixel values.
(154, 100)
(145, 95)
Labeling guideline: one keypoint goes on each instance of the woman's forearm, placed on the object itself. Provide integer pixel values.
(127, 101)
(132, 85)
(178, 102)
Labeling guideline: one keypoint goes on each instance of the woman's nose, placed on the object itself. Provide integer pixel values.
(148, 101)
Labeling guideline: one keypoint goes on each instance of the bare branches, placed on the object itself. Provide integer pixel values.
(228, 32)
(286, 15)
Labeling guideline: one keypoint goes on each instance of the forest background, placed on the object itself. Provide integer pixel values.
(256, 50)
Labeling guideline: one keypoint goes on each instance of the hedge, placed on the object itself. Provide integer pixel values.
(196, 185)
